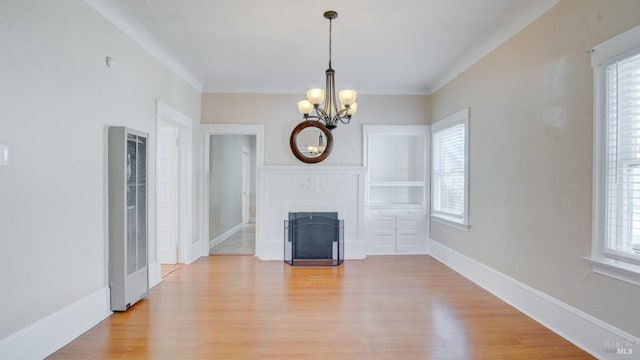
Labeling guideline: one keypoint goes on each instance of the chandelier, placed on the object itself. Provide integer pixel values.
(328, 112)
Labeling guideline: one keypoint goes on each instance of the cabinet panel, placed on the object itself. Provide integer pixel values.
(401, 233)
(410, 234)
(382, 233)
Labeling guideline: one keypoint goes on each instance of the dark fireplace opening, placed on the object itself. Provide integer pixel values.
(313, 238)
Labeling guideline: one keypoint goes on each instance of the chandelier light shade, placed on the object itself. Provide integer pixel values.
(321, 105)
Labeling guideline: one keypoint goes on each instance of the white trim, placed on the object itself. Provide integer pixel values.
(231, 129)
(460, 117)
(578, 327)
(601, 55)
(155, 274)
(615, 47)
(114, 14)
(51, 333)
(224, 236)
(204, 183)
(536, 9)
(599, 163)
(186, 254)
(312, 169)
(620, 270)
(454, 224)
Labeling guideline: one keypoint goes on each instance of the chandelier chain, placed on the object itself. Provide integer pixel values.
(330, 27)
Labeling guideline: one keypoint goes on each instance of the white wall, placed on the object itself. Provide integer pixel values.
(225, 181)
(279, 114)
(531, 158)
(56, 99)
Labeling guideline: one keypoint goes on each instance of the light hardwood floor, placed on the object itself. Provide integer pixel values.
(167, 269)
(243, 242)
(385, 307)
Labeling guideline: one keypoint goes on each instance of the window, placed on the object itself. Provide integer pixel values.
(450, 170)
(616, 229)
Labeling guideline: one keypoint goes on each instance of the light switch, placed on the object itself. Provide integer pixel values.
(4, 152)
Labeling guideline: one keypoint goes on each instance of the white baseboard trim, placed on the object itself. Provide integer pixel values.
(49, 334)
(196, 252)
(155, 274)
(585, 331)
(227, 234)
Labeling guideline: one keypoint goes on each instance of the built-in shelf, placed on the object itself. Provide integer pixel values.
(396, 187)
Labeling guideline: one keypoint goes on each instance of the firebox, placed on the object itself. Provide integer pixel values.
(313, 239)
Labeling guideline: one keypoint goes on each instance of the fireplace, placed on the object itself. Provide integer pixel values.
(313, 238)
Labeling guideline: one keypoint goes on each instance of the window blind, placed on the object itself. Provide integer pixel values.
(448, 166)
(622, 127)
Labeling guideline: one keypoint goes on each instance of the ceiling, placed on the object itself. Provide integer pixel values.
(281, 46)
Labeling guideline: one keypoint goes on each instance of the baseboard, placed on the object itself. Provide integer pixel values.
(196, 252)
(155, 274)
(227, 234)
(49, 334)
(585, 331)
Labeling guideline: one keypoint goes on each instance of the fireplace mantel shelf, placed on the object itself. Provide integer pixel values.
(313, 169)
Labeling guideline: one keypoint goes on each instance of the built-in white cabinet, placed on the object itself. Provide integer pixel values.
(396, 187)
(128, 219)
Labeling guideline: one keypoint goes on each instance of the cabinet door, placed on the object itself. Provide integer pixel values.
(410, 234)
(383, 234)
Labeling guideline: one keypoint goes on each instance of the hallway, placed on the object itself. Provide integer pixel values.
(241, 243)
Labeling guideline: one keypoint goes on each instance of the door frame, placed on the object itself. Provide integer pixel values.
(167, 114)
(207, 130)
(175, 181)
(246, 177)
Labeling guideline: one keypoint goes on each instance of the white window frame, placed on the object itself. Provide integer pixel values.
(460, 117)
(603, 260)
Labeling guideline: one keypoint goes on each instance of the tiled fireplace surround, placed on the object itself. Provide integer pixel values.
(284, 189)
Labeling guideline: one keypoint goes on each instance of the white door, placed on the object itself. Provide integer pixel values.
(168, 194)
(246, 185)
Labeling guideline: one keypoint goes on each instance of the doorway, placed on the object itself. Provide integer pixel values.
(173, 196)
(168, 194)
(231, 194)
(246, 184)
(256, 160)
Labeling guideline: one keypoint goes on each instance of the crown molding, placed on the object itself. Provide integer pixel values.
(117, 17)
(535, 10)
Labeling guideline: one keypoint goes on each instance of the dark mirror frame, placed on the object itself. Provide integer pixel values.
(294, 144)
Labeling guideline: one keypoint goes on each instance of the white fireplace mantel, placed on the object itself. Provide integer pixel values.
(285, 189)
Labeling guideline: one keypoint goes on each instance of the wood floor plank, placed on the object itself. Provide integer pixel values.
(384, 307)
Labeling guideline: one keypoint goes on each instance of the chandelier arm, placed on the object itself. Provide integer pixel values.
(312, 118)
(341, 114)
(348, 119)
(322, 114)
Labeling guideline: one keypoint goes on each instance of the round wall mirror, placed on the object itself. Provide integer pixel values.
(311, 142)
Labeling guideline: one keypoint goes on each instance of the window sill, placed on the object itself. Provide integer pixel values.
(616, 269)
(445, 221)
